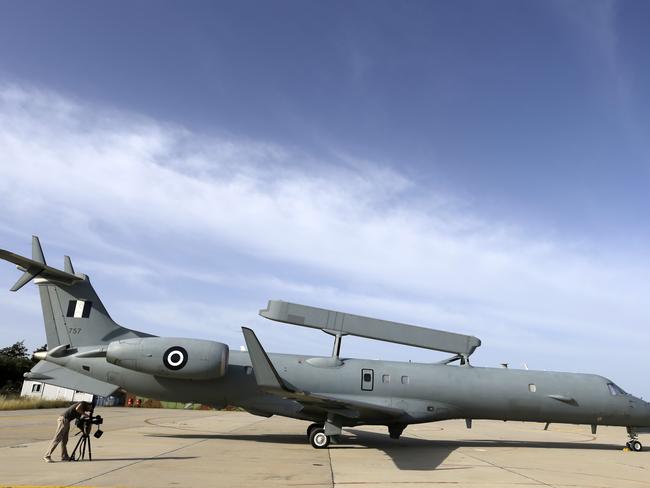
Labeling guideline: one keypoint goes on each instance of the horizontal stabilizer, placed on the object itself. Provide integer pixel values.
(383, 330)
(53, 374)
(36, 267)
(31, 273)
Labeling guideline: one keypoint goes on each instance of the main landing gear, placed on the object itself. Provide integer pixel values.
(395, 430)
(317, 437)
(633, 444)
(320, 435)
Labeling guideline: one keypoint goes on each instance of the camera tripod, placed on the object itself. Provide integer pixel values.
(82, 443)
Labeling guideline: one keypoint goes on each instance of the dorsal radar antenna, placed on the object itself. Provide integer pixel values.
(339, 324)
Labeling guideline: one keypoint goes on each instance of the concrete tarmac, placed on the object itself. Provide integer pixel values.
(177, 448)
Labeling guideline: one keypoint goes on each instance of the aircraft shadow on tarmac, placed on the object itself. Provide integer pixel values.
(408, 453)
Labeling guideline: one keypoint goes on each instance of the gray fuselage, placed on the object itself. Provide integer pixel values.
(426, 392)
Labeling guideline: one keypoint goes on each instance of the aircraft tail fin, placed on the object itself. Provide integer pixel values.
(73, 313)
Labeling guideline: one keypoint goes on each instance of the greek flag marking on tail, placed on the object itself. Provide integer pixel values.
(79, 309)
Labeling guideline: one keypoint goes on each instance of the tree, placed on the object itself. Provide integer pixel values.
(17, 350)
(14, 363)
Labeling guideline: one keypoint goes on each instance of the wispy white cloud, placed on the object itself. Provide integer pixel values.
(598, 27)
(211, 223)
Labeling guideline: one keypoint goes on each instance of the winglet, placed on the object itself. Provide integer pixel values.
(265, 374)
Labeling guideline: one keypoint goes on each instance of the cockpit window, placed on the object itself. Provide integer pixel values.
(615, 390)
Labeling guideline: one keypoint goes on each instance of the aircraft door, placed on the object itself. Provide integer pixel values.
(367, 379)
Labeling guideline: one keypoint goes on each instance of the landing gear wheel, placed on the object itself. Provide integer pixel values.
(318, 439)
(635, 446)
(312, 427)
(395, 431)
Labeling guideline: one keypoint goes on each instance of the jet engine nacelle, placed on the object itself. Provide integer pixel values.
(192, 359)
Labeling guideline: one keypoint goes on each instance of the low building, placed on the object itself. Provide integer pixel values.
(38, 390)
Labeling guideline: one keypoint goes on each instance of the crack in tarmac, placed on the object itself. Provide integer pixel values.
(329, 456)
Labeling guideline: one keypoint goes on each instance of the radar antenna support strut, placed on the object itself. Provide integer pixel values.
(336, 350)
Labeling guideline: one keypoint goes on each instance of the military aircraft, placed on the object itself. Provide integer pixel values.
(88, 351)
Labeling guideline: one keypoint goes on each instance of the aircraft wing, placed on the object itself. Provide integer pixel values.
(270, 381)
(346, 407)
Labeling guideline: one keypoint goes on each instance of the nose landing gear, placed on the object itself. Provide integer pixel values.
(633, 444)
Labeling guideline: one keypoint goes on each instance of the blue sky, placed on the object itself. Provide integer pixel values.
(474, 166)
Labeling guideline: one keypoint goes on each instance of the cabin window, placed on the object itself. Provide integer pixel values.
(385, 378)
(405, 380)
(36, 388)
(367, 377)
(532, 388)
(615, 390)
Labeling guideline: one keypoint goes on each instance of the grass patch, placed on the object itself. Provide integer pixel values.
(19, 403)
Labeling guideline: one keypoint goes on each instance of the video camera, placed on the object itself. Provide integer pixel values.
(85, 423)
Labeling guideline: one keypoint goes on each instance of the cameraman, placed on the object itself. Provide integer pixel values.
(72, 413)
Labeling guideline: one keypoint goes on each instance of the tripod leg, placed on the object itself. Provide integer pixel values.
(74, 451)
(85, 443)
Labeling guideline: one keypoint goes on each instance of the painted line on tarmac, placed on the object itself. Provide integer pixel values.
(2, 417)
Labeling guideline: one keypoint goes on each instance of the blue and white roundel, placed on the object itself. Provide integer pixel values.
(175, 358)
